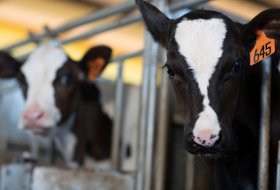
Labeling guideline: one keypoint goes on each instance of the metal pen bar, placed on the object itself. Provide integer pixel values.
(84, 20)
(278, 167)
(151, 110)
(143, 114)
(118, 121)
(162, 131)
(150, 139)
(108, 27)
(121, 8)
(264, 125)
(127, 56)
(190, 170)
(186, 4)
(97, 31)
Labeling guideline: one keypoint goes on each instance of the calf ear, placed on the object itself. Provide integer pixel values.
(94, 61)
(156, 22)
(267, 21)
(9, 66)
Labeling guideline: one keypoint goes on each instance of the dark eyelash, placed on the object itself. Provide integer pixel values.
(172, 74)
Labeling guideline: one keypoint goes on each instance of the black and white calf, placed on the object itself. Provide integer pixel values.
(208, 64)
(60, 94)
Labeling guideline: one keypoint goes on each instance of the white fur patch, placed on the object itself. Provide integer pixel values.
(40, 72)
(200, 42)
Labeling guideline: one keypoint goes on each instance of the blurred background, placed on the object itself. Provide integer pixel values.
(18, 17)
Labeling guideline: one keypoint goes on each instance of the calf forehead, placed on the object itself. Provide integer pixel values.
(43, 64)
(200, 42)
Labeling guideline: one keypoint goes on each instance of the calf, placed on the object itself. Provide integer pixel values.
(208, 64)
(62, 99)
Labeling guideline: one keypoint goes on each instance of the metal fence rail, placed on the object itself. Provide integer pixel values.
(265, 125)
(79, 22)
(278, 168)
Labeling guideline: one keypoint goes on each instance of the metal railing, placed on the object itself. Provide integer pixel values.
(264, 125)
(104, 13)
(278, 168)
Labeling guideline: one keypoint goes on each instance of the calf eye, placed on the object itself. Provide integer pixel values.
(172, 75)
(66, 80)
(236, 66)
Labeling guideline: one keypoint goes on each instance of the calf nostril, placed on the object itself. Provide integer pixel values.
(205, 137)
(33, 115)
(40, 115)
(213, 136)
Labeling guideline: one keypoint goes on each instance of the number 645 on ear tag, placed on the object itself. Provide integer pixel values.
(263, 48)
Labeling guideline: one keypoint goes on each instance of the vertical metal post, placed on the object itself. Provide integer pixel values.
(190, 166)
(118, 123)
(143, 114)
(162, 131)
(34, 146)
(264, 125)
(148, 114)
(278, 167)
(150, 140)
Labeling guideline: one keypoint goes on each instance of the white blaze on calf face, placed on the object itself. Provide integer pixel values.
(200, 41)
(40, 72)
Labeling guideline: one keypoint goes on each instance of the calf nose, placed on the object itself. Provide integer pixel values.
(32, 116)
(205, 137)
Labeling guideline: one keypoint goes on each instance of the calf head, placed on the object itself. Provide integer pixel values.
(206, 56)
(51, 82)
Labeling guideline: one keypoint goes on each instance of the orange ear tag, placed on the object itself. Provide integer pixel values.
(263, 48)
(95, 67)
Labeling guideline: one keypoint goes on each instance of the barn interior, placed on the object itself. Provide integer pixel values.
(22, 21)
(18, 18)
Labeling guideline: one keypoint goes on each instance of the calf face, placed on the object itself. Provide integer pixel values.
(206, 56)
(51, 80)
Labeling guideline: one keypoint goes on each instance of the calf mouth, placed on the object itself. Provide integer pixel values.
(217, 150)
(209, 152)
(38, 130)
(203, 151)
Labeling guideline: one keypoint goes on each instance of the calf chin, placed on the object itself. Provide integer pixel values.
(226, 145)
(37, 129)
